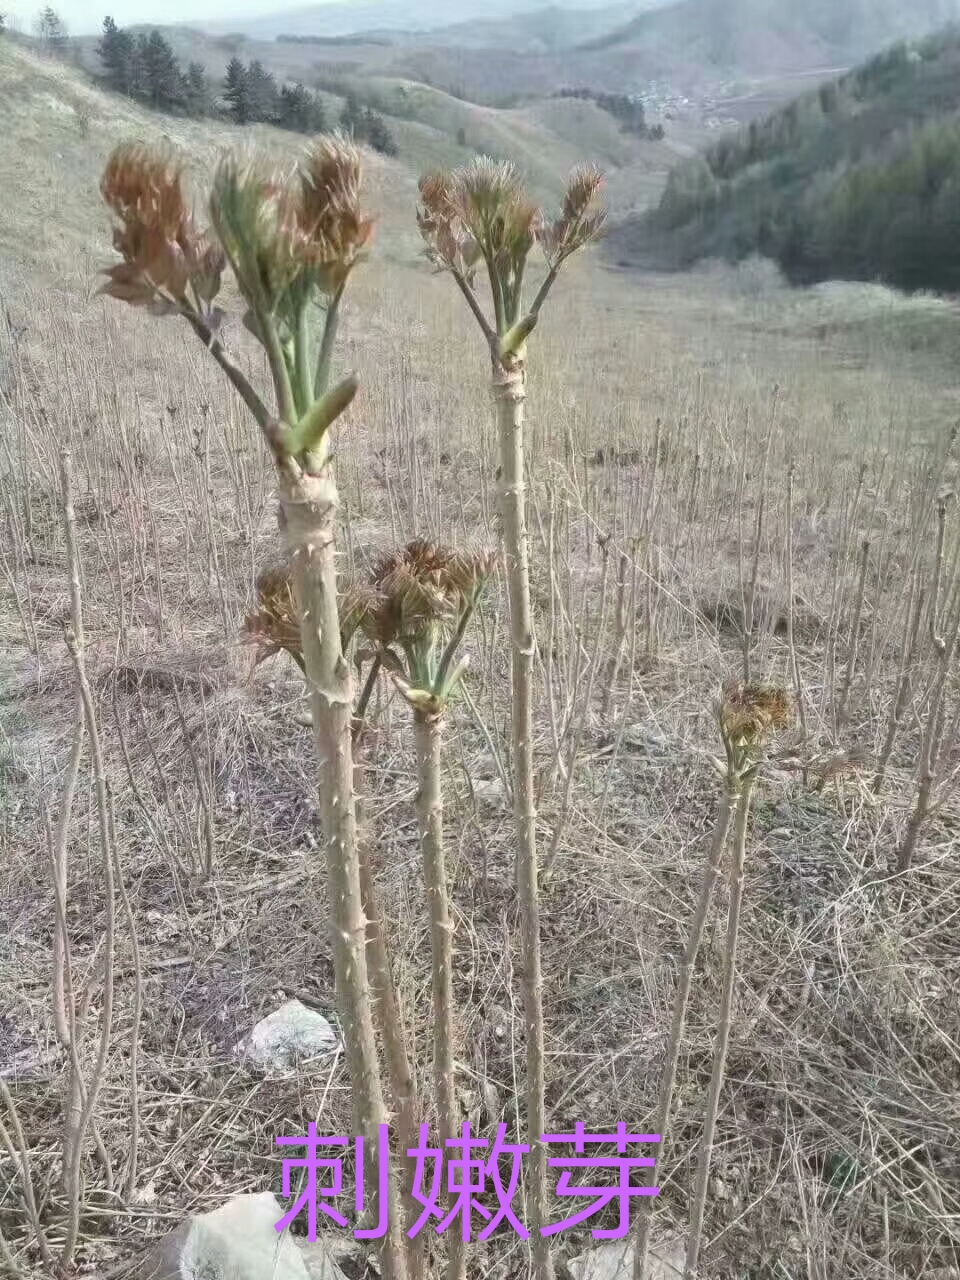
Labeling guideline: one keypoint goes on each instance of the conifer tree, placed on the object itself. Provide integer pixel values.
(163, 82)
(236, 91)
(197, 90)
(114, 52)
(262, 94)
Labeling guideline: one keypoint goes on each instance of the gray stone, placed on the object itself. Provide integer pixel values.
(238, 1241)
(291, 1034)
(647, 739)
(614, 1261)
(322, 1257)
(491, 792)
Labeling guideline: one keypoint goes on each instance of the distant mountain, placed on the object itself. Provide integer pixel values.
(339, 18)
(498, 52)
(547, 30)
(858, 180)
(765, 37)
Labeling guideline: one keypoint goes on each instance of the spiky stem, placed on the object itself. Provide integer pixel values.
(308, 506)
(841, 716)
(619, 636)
(508, 388)
(791, 642)
(365, 695)
(930, 747)
(428, 732)
(908, 653)
(389, 1022)
(74, 1138)
(691, 951)
(723, 1031)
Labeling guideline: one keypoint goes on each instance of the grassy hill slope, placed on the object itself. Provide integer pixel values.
(690, 44)
(433, 128)
(858, 179)
(763, 36)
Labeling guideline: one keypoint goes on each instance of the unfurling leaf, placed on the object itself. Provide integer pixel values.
(422, 700)
(514, 340)
(333, 230)
(748, 712)
(313, 426)
(251, 210)
(276, 624)
(457, 674)
(581, 219)
(163, 251)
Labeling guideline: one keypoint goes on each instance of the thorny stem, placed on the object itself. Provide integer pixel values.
(474, 305)
(8, 1261)
(59, 849)
(325, 357)
(751, 593)
(130, 1177)
(428, 734)
(854, 636)
(937, 640)
(581, 725)
(914, 617)
(508, 385)
(72, 1156)
(304, 375)
(308, 506)
(19, 1153)
(728, 800)
(723, 1036)
(453, 644)
(932, 736)
(59, 855)
(791, 643)
(270, 340)
(545, 287)
(236, 376)
(387, 1015)
(366, 694)
(619, 636)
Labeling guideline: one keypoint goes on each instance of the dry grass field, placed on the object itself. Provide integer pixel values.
(665, 415)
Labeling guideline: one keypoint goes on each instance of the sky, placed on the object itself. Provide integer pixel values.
(83, 17)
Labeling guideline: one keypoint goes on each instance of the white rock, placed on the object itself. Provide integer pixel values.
(238, 1241)
(323, 1256)
(491, 792)
(646, 738)
(614, 1261)
(291, 1034)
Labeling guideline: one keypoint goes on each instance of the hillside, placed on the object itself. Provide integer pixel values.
(762, 37)
(694, 47)
(856, 180)
(419, 17)
(195, 901)
(432, 128)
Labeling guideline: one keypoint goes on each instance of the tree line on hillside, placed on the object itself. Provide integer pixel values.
(626, 109)
(859, 180)
(896, 219)
(48, 27)
(253, 97)
(144, 67)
